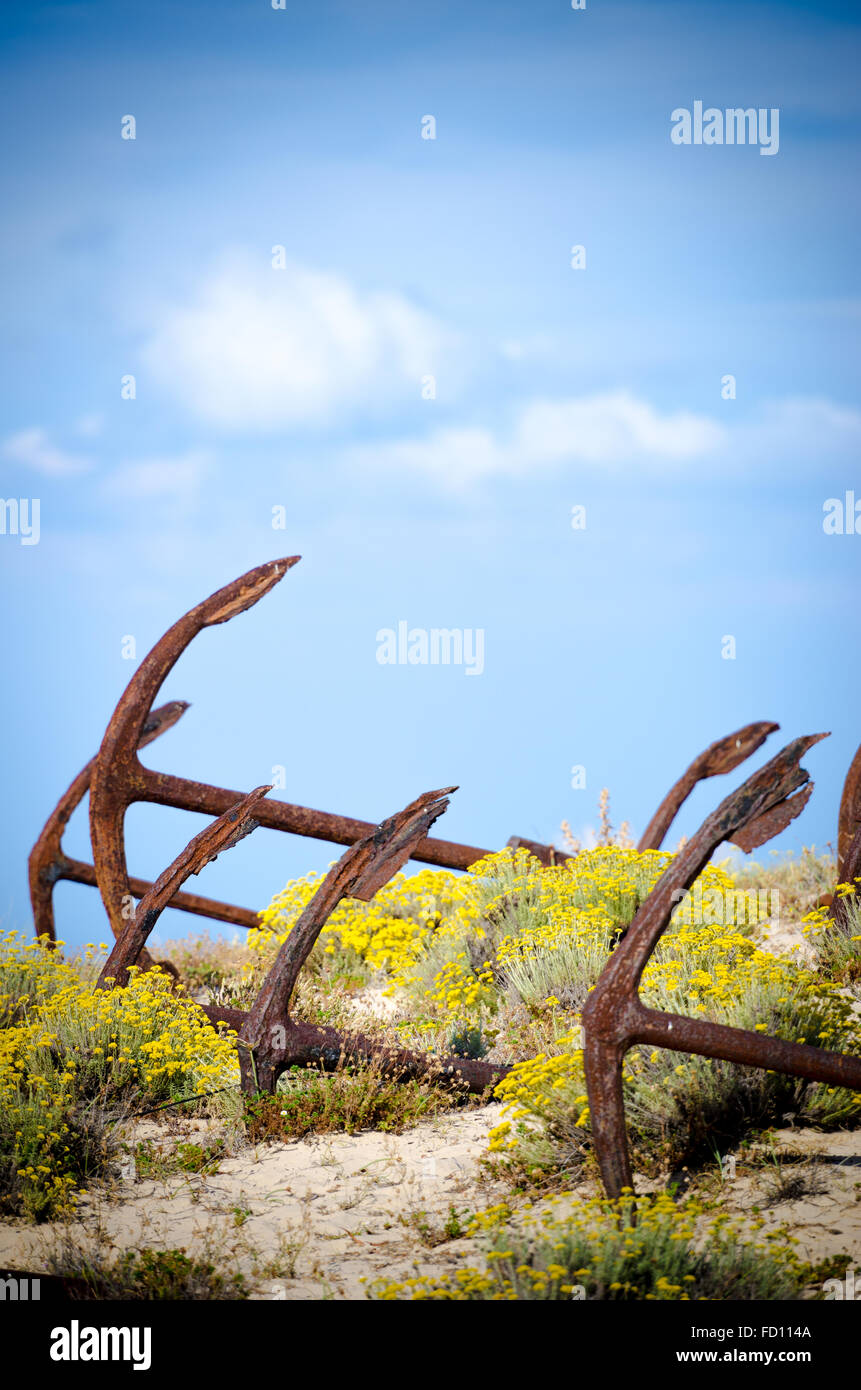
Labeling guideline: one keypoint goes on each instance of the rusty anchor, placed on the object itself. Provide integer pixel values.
(848, 841)
(269, 1041)
(726, 754)
(116, 778)
(849, 823)
(223, 834)
(614, 1018)
(722, 756)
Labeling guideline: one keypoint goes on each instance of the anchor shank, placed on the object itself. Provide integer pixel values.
(187, 795)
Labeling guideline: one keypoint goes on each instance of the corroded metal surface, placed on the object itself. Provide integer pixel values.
(848, 868)
(850, 818)
(764, 828)
(849, 872)
(614, 1018)
(295, 820)
(852, 862)
(222, 835)
(720, 757)
(48, 863)
(118, 776)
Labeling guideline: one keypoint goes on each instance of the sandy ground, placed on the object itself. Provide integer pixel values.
(826, 1220)
(341, 1208)
(785, 938)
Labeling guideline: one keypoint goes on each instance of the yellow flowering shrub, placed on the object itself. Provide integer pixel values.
(643, 1248)
(455, 943)
(29, 974)
(145, 1038)
(838, 942)
(389, 933)
(76, 1057)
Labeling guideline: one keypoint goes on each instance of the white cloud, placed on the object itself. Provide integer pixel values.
(33, 448)
(612, 428)
(261, 348)
(453, 456)
(616, 431)
(174, 478)
(608, 430)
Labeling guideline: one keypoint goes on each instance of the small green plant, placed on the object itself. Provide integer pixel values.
(152, 1275)
(786, 1180)
(831, 1267)
(468, 1042)
(453, 1226)
(241, 1212)
(433, 1233)
(194, 1158)
(290, 1244)
(155, 1162)
(355, 1097)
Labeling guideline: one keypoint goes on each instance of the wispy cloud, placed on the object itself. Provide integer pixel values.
(260, 348)
(33, 448)
(611, 428)
(605, 430)
(617, 431)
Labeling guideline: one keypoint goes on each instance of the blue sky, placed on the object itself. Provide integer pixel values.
(301, 387)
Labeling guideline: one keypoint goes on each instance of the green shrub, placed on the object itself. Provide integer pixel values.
(355, 1097)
